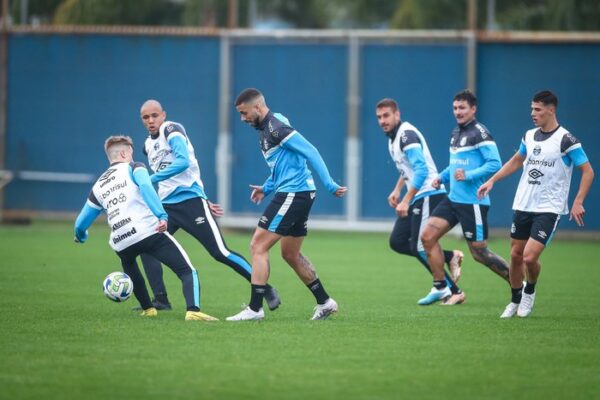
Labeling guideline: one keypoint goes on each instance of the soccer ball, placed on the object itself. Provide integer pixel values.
(117, 286)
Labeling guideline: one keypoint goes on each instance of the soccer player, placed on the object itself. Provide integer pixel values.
(138, 225)
(547, 154)
(176, 171)
(474, 158)
(410, 152)
(286, 152)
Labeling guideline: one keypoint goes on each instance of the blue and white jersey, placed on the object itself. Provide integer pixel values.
(547, 170)
(473, 149)
(286, 152)
(410, 152)
(176, 170)
(131, 213)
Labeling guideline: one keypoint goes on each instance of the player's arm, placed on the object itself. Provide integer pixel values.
(179, 164)
(417, 162)
(268, 186)
(507, 169)
(142, 179)
(491, 162)
(296, 142)
(86, 217)
(444, 176)
(580, 160)
(394, 196)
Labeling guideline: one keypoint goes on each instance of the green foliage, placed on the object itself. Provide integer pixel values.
(62, 339)
(117, 12)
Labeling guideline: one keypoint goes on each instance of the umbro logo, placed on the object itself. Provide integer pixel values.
(416, 211)
(542, 234)
(535, 174)
(264, 219)
(469, 235)
(513, 228)
(312, 195)
(200, 220)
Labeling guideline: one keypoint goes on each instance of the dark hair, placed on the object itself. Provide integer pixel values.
(466, 95)
(546, 97)
(247, 95)
(388, 102)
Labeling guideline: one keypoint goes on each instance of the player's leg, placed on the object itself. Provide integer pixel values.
(154, 273)
(442, 219)
(130, 267)
(400, 237)
(261, 243)
(473, 219)
(168, 251)
(542, 230)
(515, 274)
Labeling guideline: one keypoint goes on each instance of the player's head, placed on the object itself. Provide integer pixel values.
(152, 115)
(388, 114)
(119, 148)
(464, 106)
(251, 105)
(543, 108)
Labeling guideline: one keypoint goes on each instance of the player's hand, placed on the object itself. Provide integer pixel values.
(402, 209)
(341, 191)
(484, 189)
(436, 182)
(257, 194)
(577, 213)
(161, 226)
(459, 174)
(393, 198)
(216, 210)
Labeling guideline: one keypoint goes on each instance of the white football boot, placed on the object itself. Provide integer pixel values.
(510, 310)
(526, 305)
(322, 311)
(247, 314)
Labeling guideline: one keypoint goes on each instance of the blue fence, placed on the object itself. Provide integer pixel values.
(67, 93)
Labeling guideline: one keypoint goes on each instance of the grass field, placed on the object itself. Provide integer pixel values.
(62, 339)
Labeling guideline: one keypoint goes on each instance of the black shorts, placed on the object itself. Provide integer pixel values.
(472, 218)
(538, 226)
(287, 214)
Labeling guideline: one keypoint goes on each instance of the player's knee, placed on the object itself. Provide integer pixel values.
(530, 259)
(290, 256)
(428, 238)
(400, 246)
(257, 248)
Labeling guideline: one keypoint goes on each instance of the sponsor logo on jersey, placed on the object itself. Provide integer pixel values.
(535, 174)
(537, 150)
(162, 166)
(541, 163)
(270, 127)
(159, 156)
(459, 161)
(125, 235)
(542, 234)
(107, 174)
(121, 223)
(170, 128)
(116, 200)
(571, 138)
(113, 213)
(200, 220)
(404, 138)
(481, 130)
(113, 189)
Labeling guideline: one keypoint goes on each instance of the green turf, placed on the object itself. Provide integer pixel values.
(62, 339)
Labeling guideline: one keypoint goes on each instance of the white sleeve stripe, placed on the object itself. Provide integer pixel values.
(93, 205)
(288, 137)
(486, 143)
(575, 146)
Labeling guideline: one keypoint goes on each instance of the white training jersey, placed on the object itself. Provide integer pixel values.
(547, 170)
(408, 137)
(160, 155)
(128, 216)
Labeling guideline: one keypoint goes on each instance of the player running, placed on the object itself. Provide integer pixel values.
(286, 152)
(473, 158)
(177, 173)
(138, 225)
(410, 152)
(547, 155)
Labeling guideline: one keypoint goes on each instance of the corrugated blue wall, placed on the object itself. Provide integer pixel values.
(66, 93)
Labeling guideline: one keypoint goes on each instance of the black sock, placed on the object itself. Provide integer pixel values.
(448, 256)
(193, 308)
(318, 291)
(529, 288)
(162, 298)
(439, 285)
(256, 297)
(516, 295)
